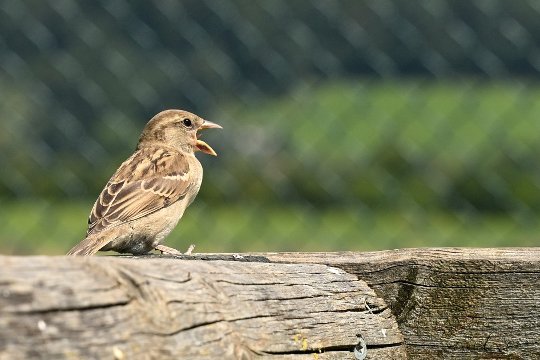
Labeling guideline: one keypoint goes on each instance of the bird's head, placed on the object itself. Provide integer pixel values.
(178, 129)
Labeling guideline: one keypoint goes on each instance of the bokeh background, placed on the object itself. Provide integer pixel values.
(348, 125)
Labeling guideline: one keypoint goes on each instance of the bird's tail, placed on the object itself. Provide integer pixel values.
(90, 245)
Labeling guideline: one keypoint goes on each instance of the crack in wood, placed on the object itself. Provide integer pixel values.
(70, 308)
(370, 310)
(160, 278)
(405, 282)
(252, 283)
(201, 324)
(305, 297)
(349, 348)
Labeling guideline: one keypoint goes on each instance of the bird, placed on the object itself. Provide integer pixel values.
(148, 194)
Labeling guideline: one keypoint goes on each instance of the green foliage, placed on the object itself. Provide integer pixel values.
(447, 146)
(450, 145)
(38, 227)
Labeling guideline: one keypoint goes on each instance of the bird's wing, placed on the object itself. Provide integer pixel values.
(151, 179)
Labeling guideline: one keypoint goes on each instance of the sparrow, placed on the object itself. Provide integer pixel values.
(148, 194)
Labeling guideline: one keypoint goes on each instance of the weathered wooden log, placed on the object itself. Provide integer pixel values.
(168, 308)
(453, 303)
(449, 304)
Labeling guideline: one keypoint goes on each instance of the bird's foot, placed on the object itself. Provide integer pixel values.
(167, 250)
(190, 249)
(170, 251)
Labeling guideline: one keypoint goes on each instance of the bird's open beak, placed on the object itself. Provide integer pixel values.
(201, 145)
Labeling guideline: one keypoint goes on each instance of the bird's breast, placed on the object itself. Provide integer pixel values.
(196, 177)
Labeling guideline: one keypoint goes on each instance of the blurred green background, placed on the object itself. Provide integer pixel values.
(351, 125)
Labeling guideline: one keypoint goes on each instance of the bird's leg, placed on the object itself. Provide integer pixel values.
(167, 250)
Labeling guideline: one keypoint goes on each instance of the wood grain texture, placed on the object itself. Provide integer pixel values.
(168, 308)
(452, 303)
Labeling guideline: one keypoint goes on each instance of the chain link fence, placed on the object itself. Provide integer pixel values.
(347, 125)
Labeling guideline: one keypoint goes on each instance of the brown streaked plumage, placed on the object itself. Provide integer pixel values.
(146, 197)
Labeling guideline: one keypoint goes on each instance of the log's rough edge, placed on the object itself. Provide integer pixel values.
(159, 307)
(452, 303)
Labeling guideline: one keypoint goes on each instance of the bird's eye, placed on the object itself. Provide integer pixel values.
(186, 122)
